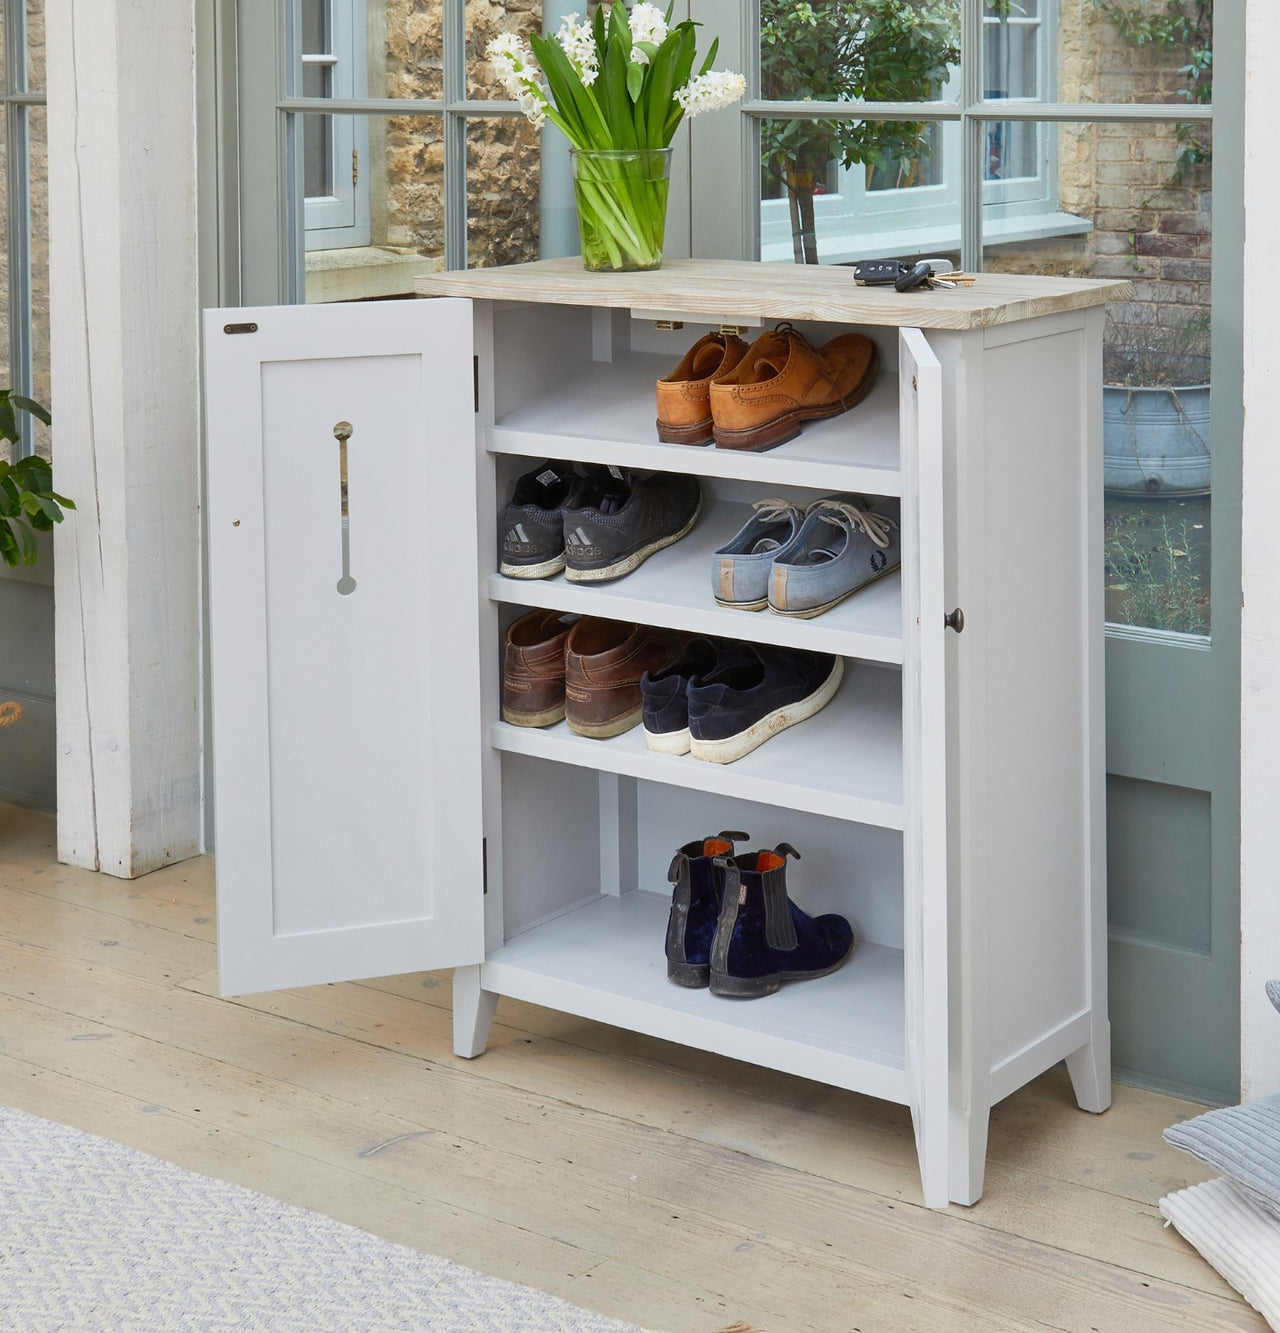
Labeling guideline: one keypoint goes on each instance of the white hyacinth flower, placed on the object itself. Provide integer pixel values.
(580, 47)
(518, 73)
(648, 24)
(710, 91)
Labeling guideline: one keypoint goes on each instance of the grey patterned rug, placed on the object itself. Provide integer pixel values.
(97, 1237)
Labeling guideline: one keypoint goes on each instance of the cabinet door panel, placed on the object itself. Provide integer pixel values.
(344, 608)
(924, 725)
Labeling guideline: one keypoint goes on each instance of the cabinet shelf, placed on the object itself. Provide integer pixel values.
(845, 763)
(605, 414)
(605, 961)
(673, 590)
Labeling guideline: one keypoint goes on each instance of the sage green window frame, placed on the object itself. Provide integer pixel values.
(18, 101)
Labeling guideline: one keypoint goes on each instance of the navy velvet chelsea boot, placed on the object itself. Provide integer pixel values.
(762, 938)
(695, 907)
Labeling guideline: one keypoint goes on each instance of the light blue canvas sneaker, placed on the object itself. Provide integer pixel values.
(845, 542)
(740, 568)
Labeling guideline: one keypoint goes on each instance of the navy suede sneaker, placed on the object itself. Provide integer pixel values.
(664, 697)
(754, 696)
(697, 885)
(762, 938)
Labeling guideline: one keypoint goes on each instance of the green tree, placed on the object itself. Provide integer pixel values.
(848, 50)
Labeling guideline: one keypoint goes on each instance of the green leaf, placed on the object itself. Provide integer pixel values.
(635, 80)
(30, 547)
(42, 522)
(617, 102)
(711, 55)
(30, 405)
(8, 544)
(8, 422)
(575, 103)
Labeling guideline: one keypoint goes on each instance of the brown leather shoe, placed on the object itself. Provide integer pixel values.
(684, 405)
(604, 661)
(533, 669)
(783, 380)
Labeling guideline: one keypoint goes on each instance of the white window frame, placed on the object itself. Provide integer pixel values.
(341, 219)
(852, 221)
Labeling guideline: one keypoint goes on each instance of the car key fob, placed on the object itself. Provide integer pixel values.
(878, 272)
(918, 276)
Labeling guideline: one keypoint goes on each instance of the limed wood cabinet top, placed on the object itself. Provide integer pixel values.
(725, 288)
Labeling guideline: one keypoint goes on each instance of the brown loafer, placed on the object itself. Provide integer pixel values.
(783, 381)
(604, 660)
(684, 405)
(533, 669)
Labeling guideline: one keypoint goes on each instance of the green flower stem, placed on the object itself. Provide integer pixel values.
(622, 206)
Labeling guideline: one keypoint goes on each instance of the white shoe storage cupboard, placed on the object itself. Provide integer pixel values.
(374, 814)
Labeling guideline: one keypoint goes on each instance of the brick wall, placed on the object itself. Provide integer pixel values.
(1147, 226)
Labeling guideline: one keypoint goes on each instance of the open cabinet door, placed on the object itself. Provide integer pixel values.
(924, 722)
(344, 604)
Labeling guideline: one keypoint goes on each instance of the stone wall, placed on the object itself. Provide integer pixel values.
(503, 160)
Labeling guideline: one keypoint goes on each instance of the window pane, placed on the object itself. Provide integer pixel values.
(35, 45)
(5, 379)
(38, 168)
(836, 191)
(1126, 50)
(485, 22)
(317, 156)
(503, 191)
(404, 44)
(402, 184)
(315, 27)
(1152, 227)
(832, 50)
(1011, 56)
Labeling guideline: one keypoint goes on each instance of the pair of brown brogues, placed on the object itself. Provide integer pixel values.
(757, 397)
(586, 671)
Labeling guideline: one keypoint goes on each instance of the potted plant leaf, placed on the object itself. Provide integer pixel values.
(28, 502)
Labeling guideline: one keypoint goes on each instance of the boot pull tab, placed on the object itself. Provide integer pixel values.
(673, 875)
(734, 889)
(785, 849)
(730, 836)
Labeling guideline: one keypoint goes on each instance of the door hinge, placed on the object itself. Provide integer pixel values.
(355, 167)
(955, 621)
(484, 863)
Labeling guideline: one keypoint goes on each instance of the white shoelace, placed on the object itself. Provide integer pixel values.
(876, 526)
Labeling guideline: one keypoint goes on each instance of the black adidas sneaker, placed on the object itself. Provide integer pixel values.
(532, 528)
(613, 522)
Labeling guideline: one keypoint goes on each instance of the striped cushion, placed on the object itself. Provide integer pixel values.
(1240, 1241)
(1241, 1143)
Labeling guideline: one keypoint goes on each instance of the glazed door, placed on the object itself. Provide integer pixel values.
(344, 641)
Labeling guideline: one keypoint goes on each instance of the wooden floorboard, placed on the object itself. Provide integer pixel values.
(679, 1190)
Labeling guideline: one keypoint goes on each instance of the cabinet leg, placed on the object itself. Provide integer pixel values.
(1090, 1070)
(472, 1013)
(969, 1153)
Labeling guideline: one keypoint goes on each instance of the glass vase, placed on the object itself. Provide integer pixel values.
(622, 206)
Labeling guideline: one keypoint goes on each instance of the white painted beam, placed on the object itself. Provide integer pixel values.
(1260, 620)
(125, 362)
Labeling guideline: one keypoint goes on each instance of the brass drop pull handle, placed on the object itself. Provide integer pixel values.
(955, 621)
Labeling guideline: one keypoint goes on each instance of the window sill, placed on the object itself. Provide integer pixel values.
(362, 272)
(845, 247)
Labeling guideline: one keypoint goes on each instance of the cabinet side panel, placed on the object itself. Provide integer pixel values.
(1034, 552)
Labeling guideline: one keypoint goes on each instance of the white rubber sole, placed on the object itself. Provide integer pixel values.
(743, 606)
(633, 561)
(542, 571)
(667, 742)
(808, 613)
(728, 749)
(547, 718)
